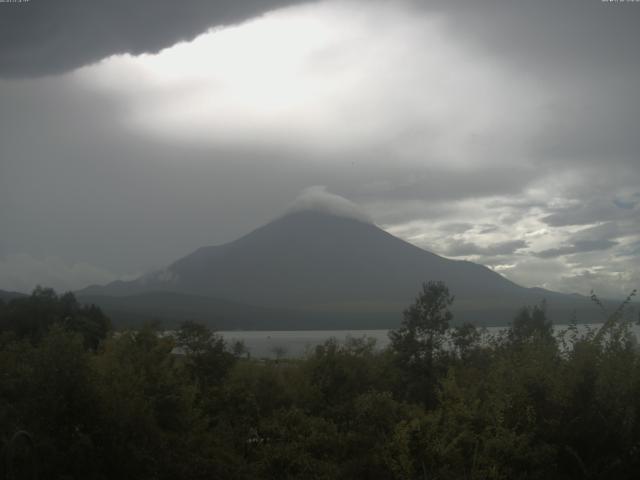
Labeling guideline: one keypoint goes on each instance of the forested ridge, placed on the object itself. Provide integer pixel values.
(78, 400)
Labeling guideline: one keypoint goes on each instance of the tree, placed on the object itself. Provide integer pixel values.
(207, 358)
(465, 338)
(32, 317)
(341, 372)
(150, 423)
(419, 342)
(425, 322)
(531, 325)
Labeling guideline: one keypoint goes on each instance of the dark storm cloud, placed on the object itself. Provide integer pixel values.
(41, 37)
(459, 248)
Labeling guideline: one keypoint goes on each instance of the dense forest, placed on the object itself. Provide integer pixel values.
(81, 401)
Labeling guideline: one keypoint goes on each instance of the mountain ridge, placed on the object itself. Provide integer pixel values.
(309, 261)
(10, 295)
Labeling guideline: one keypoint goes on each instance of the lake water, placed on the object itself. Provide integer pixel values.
(295, 343)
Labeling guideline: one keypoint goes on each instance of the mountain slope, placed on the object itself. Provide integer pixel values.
(316, 262)
(310, 258)
(171, 308)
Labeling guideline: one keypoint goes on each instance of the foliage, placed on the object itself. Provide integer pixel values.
(440, 402)
(531, 325)
(421, 335)
(205, 353)
(419, 344)
(32, 317)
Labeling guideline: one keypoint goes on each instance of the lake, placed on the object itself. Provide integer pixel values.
(295, 343)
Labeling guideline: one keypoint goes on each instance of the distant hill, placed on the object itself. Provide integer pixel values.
(171, 308)
(6, 296)
(316, 266)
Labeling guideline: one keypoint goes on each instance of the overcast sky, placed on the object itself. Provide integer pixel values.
(506, 133)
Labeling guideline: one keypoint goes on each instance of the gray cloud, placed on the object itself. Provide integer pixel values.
(43, 37)
(319, 199)
(565, 35)
(459, 248)
(23, 272)
(632, 250)
(459, 227)
(603, 283)
(599, 237)
(488, 228)
(603, 231)
(626, 204)
(578, 246)
(554, 148)
(585, 50)
(589, 211)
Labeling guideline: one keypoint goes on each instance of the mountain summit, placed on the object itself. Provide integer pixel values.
(314, 262)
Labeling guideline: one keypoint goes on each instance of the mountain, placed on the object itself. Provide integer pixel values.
(322, 266)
